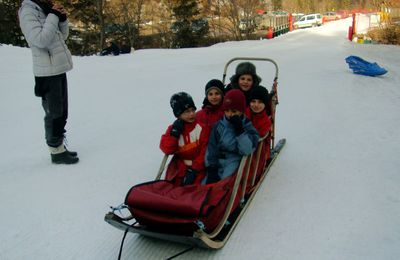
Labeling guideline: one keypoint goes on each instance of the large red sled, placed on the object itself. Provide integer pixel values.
(199, 215)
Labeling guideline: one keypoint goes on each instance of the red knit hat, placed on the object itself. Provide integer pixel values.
(234, 99)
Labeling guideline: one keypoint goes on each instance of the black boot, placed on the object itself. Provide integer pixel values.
(64, 158)
(72, 153)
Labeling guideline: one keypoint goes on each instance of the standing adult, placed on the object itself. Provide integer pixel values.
(45, 27)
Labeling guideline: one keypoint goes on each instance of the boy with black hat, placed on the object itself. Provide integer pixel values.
(211, 111)
(232, 137)
(186, 140)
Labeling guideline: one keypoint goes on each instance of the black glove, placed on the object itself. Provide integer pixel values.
(61, 17)
(189, 177)
(237, 123)
(212, 175)
(177, 128)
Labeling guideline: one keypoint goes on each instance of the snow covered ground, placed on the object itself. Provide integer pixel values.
(334, 192)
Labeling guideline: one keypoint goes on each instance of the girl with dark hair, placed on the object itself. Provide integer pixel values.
(211, 111)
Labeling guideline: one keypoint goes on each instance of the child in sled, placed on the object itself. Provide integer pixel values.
(244, 79)
(211, 111)
(232, 137)
(186, 140)
(257, 113)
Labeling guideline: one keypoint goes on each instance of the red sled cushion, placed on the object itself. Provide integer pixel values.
(164, 196)
(164, 206)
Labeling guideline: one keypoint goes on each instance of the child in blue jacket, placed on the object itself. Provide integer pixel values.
(232, 137)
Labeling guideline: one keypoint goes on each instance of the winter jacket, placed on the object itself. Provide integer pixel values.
(209, 115)
(188, 150)
(260, 121)
(46, 37)
(225, 149)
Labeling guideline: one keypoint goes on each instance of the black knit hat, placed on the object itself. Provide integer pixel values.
(246, 68)
(180, 102)
(260, 93)
(215, 84)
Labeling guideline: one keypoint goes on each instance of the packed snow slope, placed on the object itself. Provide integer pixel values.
(333, 193)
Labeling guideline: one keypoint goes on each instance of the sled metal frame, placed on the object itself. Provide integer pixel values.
(220, 235)
(247, 59)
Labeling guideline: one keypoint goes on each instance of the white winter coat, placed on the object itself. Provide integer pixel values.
(46, 37)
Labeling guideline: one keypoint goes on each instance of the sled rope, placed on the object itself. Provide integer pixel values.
(181, 253)
(123, 240)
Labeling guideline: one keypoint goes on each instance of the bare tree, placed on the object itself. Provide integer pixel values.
(126, 18)
(214, 12)
(100, 5)
(231, 11)
(236, 11)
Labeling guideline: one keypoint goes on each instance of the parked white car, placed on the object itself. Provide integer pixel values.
(309, 20)
(330, 16)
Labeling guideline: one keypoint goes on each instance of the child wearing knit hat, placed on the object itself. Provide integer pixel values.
(232, 137)
(245, 79)
(187, 140)
(256, 112)
(211, 111)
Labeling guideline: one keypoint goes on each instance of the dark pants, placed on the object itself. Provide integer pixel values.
(54, 93)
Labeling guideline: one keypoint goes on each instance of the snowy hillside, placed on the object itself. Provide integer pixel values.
(334, 192)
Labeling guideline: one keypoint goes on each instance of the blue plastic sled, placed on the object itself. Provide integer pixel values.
(363, 67)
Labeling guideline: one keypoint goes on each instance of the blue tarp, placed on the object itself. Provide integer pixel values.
(363, 67)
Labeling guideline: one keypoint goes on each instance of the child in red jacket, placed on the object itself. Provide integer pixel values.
(187, 141)
(256, 112)
(212, 110)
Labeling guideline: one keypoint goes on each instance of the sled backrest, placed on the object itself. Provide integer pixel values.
(251, 59)
(162, 167)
